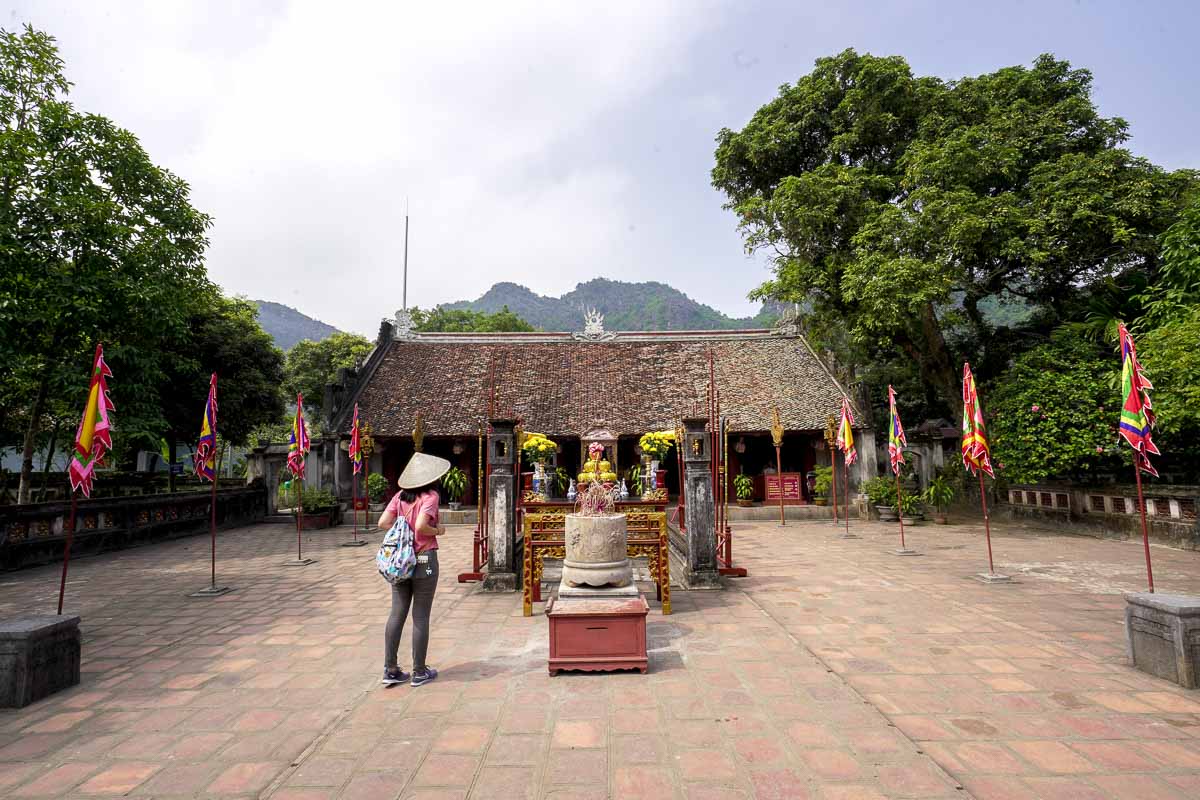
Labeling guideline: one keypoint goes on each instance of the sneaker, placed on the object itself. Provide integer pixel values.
(423, 676)
(393, 676)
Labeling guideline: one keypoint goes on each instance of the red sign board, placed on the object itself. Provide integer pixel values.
(791, 486)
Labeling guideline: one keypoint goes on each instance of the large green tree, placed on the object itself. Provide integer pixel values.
(897, 207)
(223, 337)
(97, 244)
(466, 321)
(312, 365)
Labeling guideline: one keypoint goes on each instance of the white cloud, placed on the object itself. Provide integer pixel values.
(303, 127)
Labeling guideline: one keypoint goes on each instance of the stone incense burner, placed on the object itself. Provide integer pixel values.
(596, 552)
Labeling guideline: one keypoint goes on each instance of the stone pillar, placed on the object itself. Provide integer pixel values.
(868, 467)
(503, 566)
(699, 509)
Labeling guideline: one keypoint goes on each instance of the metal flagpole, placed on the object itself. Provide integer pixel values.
(354, 500)
(404, 296)
(987, 525)
(900, 511)
(833, 471)
(212, 523)
(1145, 530)
(846, 490)
(62, 584)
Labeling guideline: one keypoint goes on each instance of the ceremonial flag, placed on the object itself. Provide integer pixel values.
(298, 443)
(94, 438)
(845, 437)
(975, 452)
(206, 449)
(356, 458)
(1137, 415)
(896, 438)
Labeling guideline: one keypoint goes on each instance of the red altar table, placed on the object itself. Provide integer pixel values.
(787, 482)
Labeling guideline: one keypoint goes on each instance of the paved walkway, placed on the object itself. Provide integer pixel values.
(835, 671)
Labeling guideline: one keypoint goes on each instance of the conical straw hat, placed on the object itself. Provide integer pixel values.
(422, 469)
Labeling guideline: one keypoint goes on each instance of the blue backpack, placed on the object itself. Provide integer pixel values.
(397, 558)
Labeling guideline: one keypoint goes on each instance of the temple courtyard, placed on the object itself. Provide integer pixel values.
(835, 670)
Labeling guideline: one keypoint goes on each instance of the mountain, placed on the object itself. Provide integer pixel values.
(647, 306)
(288, 326)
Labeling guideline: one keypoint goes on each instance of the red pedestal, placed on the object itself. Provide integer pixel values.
(598, 634)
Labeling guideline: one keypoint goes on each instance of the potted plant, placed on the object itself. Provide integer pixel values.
(376, 489)
(881, 493)
(562, 480)
(455, 484)
(319, 506)
(939, 494)
(822, 485)
(743, 487)
(655, 446)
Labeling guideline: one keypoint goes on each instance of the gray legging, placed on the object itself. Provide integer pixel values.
(417, 593)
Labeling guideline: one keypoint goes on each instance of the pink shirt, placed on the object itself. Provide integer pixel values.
(427, 502)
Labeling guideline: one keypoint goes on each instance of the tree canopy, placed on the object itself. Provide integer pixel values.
(312, 365)
(466, 321)
(896, 207)
(97, 244)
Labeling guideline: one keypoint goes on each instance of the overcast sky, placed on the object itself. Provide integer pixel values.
(541, 143)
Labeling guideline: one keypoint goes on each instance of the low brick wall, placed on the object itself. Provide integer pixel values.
(1111, 511)
(34, 533)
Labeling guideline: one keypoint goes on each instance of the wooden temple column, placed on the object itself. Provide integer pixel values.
(699, 508)
(504, 560)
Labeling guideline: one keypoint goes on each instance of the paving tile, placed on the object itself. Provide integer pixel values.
(58, 781)
(120, 778)
(245, 778)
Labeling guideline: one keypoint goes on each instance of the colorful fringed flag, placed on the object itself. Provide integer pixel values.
(94, 437)
(896, 438)
(845, 437)
(975, 452)
(206, 449)
(356, 458)
(298, 443)
(1137, 414)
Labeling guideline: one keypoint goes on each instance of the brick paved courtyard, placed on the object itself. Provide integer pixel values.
(836, 670)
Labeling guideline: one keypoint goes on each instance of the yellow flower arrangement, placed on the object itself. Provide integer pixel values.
(538, 448)
(657, 444)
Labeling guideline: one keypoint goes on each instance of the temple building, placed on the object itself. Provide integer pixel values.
(441, 388)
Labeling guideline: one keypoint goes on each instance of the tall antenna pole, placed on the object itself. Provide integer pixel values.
(404, 297)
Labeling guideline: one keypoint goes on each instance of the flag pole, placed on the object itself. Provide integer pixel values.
(62, 584)
(212, 522)
(354, 503)
(299, 519)
(833, 470)
(987, 526)
(846, 489)
(1145, 530)
(900, 511)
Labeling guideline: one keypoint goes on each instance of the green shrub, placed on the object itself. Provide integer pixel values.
(880, 491)
(940, 493)
(317, 501)
(743, 486)
(824, 481)
(455, 484)
(1054, 412)
(376, 487)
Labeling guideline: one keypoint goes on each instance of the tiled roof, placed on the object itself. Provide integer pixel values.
(559, 386)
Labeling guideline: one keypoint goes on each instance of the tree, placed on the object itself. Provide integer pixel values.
(467, 321)
(897, 206)
(223, 337)
(97, 244)
(1053, 413)
(312, 365)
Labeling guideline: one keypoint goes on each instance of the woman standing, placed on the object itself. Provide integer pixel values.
(417, 502)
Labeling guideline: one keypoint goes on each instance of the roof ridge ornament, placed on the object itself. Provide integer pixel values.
(593, 328)
(788, 323)
(403, 327)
